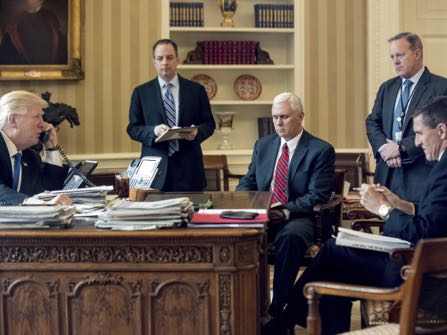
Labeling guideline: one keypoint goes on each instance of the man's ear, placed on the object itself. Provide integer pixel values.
(418, 53)
(442, 130)
(12, 121)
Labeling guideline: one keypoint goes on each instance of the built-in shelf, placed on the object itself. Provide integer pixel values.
(231, 30)
(236, 67)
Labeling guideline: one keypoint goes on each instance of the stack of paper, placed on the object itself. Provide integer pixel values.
(361, 240)
(127, 215)
(88, 195)
(13, 217)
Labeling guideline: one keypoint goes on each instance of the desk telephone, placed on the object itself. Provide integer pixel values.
(77, 174)
(142, 172)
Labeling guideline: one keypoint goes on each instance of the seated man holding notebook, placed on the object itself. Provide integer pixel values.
(299, 168)
(366, 267)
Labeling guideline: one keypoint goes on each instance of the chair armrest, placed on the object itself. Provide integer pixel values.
(335, 200)
(366, 224)
(406, 255)
(360, 213)
(313, 290)
(235, 175)
(352, 291)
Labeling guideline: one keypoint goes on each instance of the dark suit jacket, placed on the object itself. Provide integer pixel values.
(311, 172)
(147, 111)
(379, 128)
(429, 221)
(36, 176)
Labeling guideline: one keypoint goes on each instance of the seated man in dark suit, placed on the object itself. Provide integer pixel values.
(22, 172)
(299, 169)
(403, 220)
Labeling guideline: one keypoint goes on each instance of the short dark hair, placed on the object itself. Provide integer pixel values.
(165, 41)
(414, 40)
(434, 112)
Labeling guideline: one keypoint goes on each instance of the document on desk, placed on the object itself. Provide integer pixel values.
(175, 133)
(13, 217)
(361, 240)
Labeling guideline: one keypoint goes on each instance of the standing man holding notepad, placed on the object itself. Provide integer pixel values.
(166, 102)
(403, 220)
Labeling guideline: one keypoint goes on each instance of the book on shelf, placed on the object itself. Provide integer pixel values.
(265, 126)
(273, 16)
(357, 239)
(186, 14)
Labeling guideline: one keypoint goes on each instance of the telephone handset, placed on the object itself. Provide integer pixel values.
(44, 137)
(75, 177)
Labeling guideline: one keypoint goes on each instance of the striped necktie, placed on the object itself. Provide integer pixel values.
(17, 167)
(169, 104)
(281, 171)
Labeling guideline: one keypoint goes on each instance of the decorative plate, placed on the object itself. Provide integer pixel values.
(208, 82)
(247, 87)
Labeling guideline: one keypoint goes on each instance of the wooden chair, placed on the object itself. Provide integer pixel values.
(217, 173)
(426, 263)
(328, 218)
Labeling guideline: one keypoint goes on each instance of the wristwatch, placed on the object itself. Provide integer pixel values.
(384, 211)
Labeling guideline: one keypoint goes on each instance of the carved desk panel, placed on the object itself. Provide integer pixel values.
(83, 281)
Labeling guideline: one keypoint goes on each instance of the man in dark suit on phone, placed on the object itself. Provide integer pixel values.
(404, 220)
(401, 166)
(300, 170)
(172, 101)
(22, 172)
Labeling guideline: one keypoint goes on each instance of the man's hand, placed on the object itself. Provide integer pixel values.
(190, 136)
(372, 198)
(277, 216)
(160, 130)
(392, 198)
(389, 150)
(394, 162)
(52, 140)
(61, 199)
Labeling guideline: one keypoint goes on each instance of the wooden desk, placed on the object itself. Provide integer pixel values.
(84, 281)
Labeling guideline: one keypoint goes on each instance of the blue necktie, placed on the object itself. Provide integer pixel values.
(17, 166)
(399, 111)
(169, 104)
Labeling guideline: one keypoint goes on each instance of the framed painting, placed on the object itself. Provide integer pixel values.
(41, 39)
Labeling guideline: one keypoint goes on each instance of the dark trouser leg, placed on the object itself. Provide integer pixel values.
(291, 243)
(336, 264)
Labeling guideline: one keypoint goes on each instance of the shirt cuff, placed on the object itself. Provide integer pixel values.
(53, 157)
(286, 213)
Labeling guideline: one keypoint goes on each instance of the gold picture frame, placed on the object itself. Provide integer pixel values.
(69, 67)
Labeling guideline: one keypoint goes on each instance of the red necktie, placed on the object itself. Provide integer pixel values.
(281, 171)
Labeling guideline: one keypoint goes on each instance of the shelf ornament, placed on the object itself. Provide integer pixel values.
(228, 9)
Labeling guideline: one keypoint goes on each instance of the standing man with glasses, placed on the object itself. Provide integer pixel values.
(172, 101)
(400, 165)
(299, 169)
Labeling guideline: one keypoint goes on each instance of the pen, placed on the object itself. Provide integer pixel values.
(358, 189)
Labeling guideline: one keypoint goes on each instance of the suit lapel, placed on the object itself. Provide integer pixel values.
(298, 156)
(5, 161)
(184, 96)
(420, 89)
(389, 103)
(155, 97)
(270, 161)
